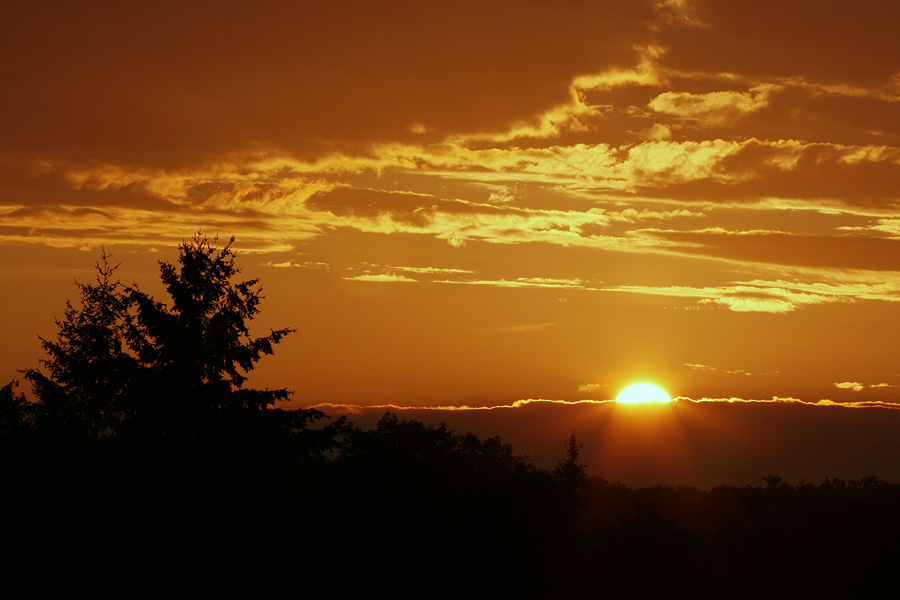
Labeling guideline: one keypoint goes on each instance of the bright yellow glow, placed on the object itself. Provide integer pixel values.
(642, 392)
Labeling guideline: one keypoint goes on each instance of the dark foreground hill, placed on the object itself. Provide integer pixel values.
(418, 517)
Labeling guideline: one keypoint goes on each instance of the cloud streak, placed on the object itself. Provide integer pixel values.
(339, 409)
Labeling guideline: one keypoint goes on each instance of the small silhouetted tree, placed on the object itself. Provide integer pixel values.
(16, 413)
(196, 352)
(773, 482)
(569, 471)
(88, 364)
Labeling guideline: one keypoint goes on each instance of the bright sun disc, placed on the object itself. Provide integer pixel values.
(642, 392)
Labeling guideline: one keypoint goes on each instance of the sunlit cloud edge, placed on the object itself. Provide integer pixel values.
(339, 408)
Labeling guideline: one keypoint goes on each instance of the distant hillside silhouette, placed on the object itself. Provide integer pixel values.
(421, 510)
(702, 444)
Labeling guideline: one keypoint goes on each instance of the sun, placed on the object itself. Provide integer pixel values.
(642, 393)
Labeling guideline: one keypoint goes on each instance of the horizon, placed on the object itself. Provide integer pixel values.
(685, 443)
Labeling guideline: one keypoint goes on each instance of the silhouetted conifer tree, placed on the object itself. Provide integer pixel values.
(89, 366)
(569, 471)
(198, 351)
(123, 362)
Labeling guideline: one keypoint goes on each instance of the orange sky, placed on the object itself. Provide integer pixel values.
(476, 202)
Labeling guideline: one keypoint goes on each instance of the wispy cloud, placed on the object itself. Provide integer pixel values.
(712, 108)
(382, 278)
(589, 388)
(858, 387)
(292, 264)
(527, 327)
(420, 270)
(766, 296)
(700, 367)
(780, 296)
(524, 282)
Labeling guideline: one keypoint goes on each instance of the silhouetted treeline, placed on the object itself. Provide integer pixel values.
(421, 511)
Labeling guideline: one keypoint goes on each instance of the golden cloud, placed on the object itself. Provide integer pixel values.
(382, 278)
(713, 108)
(526, 282)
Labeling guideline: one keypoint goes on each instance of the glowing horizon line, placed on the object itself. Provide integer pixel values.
(791, 400)
(357, 408)
(461, 407)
